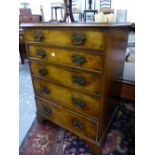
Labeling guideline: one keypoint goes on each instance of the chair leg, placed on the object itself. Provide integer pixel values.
(61, 13)
(21, 54)
(51, 13)
(56, 14)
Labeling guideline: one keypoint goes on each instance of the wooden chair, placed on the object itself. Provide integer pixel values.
(68, 11)
(54, 10)
(105, 4)
(76, 10)
(89, 13)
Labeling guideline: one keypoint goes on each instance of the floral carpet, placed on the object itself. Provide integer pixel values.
(50, 139)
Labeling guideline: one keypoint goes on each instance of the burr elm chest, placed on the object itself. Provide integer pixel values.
(72, 68)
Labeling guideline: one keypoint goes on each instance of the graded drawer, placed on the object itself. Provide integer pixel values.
(29, 18)
(89, 39)
(68, 57)
(67, 97)
(67, 119)
(73, 78)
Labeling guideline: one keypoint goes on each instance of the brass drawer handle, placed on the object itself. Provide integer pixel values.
(78, 102)
(78, 80)
(38, 36)
(78, 59)
(43, 72)
(41, 53)
(77, 124)
(78, 38)
(44, 90)
(46, 110)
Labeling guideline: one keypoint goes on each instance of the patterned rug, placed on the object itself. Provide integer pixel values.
(50, 139)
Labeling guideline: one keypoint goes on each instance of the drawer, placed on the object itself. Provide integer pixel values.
(89, 39)
(73, 78)
(70, 99)
(24, 19)
(68, 57)
(67, 119)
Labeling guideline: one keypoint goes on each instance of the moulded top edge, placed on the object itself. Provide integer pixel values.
(91, 25)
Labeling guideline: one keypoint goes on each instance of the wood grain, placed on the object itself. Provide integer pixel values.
(64, 56)
(62, 117)
(93, 39)
(114, 59)
(127, 89)
(105, 50)
(67, 96)
(92, 83)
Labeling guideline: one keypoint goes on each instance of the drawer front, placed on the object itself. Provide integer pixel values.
(63, 56)
(66, 119)
(69, 98)
(89, 39)
(23, 19)
(75, 79)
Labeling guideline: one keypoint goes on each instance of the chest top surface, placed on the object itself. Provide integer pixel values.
(72, 25)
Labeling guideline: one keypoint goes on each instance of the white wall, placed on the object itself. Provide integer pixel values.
(116, 4)
(125, 4)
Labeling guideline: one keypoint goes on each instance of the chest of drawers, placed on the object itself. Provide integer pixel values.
(72, 68)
